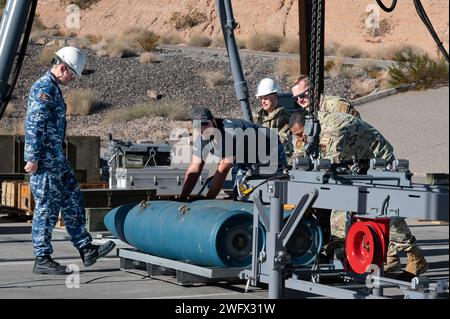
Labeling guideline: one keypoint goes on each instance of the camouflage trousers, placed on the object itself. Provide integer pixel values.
(55, 192)
(400, 237)
(340, 222)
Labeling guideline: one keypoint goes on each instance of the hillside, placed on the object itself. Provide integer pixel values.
(345, 19)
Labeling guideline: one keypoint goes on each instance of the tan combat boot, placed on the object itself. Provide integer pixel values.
(416, 262)
(392, 261)
(392, 264)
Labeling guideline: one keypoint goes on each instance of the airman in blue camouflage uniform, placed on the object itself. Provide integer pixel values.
(53, 183)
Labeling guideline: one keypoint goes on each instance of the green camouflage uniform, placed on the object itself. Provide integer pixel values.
(277, 119)
(330, 104)
(342, 137)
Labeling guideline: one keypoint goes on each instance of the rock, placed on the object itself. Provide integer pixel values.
(154, 95)
(56, 43)
(41, 40)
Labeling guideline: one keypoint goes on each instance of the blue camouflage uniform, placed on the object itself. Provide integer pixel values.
(53, 185)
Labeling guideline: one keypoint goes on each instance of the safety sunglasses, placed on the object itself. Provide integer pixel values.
(301, 95)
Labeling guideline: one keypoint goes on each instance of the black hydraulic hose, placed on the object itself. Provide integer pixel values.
(20, 57)
(387, 9)
(424, 17)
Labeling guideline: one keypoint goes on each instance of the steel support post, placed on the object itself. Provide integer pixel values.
(277, 191)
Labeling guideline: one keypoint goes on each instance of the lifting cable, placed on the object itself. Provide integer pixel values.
(424, 17)
(312, 125)
(387, 9)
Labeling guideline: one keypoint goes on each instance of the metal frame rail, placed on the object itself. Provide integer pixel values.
(363, 193)
(185, 274)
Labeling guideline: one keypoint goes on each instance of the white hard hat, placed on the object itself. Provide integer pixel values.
(73, 57)
(267, 86)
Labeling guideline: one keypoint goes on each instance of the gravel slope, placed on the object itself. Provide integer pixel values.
(122, 83)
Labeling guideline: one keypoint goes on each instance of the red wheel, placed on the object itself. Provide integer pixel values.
(382, 240)
(363, 247)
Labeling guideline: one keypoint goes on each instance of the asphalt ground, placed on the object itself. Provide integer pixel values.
(105, 280)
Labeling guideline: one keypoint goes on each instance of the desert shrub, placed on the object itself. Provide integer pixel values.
(290, 45)
(361, 87)
(388, 53)
(174, 110)
(148, 57)
(82, 101)
(288, 69)
(241, 43)
(420, 69)
(148, 40)
(200, 40)
(121, 46)
(83, 4)
(264, 42)
(191, 19)
(214, 78)
(350, 51)
(218, 41)
(47, 54)
(329, 65)
(38, 25)
(170, 38)
(94, 38)
(331, 48)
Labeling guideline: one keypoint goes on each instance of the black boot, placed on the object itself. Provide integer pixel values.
(46, 265)
(90, 253)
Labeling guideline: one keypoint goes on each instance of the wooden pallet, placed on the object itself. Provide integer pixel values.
(26, 200)
(10, 194)
(94, 185)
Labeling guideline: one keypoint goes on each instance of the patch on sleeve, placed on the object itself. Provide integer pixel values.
(44, 97)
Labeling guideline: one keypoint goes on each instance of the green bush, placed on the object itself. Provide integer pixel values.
(420, 69)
